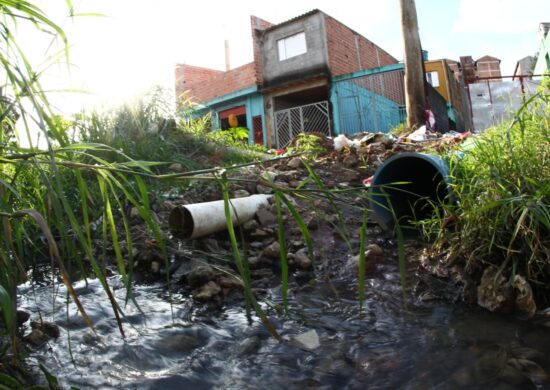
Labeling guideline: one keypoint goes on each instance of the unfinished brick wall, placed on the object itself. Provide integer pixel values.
(203, 88)
(258, 25)
(350, 52)
(187, 75)
(454, 66)
(488, 66)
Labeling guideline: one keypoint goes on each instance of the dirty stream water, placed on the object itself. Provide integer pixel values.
(425, 344)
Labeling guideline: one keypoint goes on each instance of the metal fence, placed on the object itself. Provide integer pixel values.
(374, 102)
(302, 119)
(495, 100)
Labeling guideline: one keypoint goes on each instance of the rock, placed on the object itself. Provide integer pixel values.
(210, 245)
(350, 161)
(249, 346)
(260, 189)
(51, 329)
(181, 343)
(287, 176)
(295, 163)
(155, 267)
(90, 339)
(265, 216)
(282, 184)
(22, 317)
(175, 167)
(529, 369)
(494, 292)
(294, 183)
(48, 328)
(36, 337)
(302, 260)
(207, 292)
(230, 282)
(524, 296)
(240, 194)
(256, 245)
(303, 277)
(264, 273)
(308, 340)
(370, 261)
(297, 244)
(259, 234)
(348, 175)
(250, 225)
(462, 377)
(182, 266)
(255, 262)
(375, 250)
(313, 221)
(273, 250)
(200, 275)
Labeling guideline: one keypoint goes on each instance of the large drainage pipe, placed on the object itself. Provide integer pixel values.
(201, 219)
(411, 184)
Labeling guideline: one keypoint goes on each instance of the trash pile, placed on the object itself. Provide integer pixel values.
(370, 150)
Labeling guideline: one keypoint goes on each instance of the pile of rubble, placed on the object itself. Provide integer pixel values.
(203, 266)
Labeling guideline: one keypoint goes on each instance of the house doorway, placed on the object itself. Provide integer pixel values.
(305, 111)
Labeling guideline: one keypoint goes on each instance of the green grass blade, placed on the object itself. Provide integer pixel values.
(283, 252)
(301, 224)
(237, 256)
(362, 264)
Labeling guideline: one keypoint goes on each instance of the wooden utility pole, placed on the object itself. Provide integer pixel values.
(414, 73)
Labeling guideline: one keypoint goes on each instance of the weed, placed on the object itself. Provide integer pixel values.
(309, 144)
(502, 185)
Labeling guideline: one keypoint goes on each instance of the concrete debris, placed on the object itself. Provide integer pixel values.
(207, 292)
(308, 340)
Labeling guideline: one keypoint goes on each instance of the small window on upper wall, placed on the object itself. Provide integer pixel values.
(433, 79)
(292, 46)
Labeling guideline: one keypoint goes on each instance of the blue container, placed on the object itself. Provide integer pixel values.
(411, 183)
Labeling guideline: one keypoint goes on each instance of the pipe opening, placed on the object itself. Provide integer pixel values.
(425, 181)
(181, 222)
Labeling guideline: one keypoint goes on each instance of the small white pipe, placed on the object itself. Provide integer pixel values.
(201, 219)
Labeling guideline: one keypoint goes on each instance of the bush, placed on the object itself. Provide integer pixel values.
(502, 187)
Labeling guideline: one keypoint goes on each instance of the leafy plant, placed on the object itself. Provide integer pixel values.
(309, 144)
(237, 136)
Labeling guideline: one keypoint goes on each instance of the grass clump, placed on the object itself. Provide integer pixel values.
(311, 145)
(502, 186)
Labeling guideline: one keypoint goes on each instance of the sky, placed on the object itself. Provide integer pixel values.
(134, 45)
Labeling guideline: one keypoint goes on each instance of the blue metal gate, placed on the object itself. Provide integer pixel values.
(372, 100)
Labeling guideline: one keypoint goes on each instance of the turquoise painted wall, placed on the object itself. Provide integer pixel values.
(254, 103)
(357, 109)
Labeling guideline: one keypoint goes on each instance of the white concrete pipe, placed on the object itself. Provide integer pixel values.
(201, 219)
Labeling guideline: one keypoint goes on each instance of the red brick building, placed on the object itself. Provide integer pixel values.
(475, 71)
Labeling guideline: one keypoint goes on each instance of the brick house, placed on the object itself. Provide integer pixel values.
(290, 85)
(470, 71)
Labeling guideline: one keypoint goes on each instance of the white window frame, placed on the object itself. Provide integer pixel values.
(292, 46)
(433, 78)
